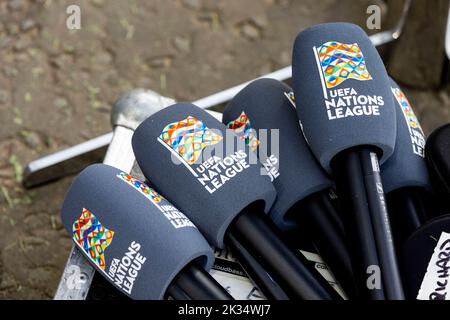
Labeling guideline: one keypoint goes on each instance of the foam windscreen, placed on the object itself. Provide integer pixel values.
(424, 261)
(201, 167)
(132, 235)
(406, 167)
(342, 92)
(263, 114)
(437, 153)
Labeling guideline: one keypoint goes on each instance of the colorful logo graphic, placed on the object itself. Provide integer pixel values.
(415, 130)
(148, 192)
(340, 61)
(175, 217)
(90, 235)
(242, 127)
(188, 138)
(406, 108)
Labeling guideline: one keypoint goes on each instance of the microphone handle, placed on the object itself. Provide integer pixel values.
(176, 293)
(357, 221)
(198, 284)
(317, 216)
(382, 228)
(410, 212)
(259, 276)
(293, 272)
(104, 290)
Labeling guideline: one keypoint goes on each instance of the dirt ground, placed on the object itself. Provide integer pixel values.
(57, 87)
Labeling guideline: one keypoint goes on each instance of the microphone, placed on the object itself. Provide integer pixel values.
(194, 161)
(345, 105)
(424, 261)
(263, 115)
(405, 176)
(437, 155)
(421, 245)
(136, 239)
(426, 274)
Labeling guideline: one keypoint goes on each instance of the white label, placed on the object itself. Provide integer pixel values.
(375, 163)
(435, 285)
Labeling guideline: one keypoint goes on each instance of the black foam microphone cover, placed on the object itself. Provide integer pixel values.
(342, 92)
(437, 154)
(406, 167)
(132, 235)
(263, 114)
(425, 259)
(201, 167)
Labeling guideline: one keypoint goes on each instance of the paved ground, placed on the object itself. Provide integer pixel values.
(57, 87)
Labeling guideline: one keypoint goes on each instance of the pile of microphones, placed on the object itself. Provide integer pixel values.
(339, 159)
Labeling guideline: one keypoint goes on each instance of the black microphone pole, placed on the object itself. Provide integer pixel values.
(324, 227)
(352, 196)
(257, 273)
(176, 293)
(410, 207)
(290, 268)
(381, 223)
(198, 284)
(362, 180)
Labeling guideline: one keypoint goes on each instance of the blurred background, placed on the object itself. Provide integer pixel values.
(57, 86)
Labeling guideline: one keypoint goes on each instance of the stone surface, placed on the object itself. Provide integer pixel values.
(419, 55)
